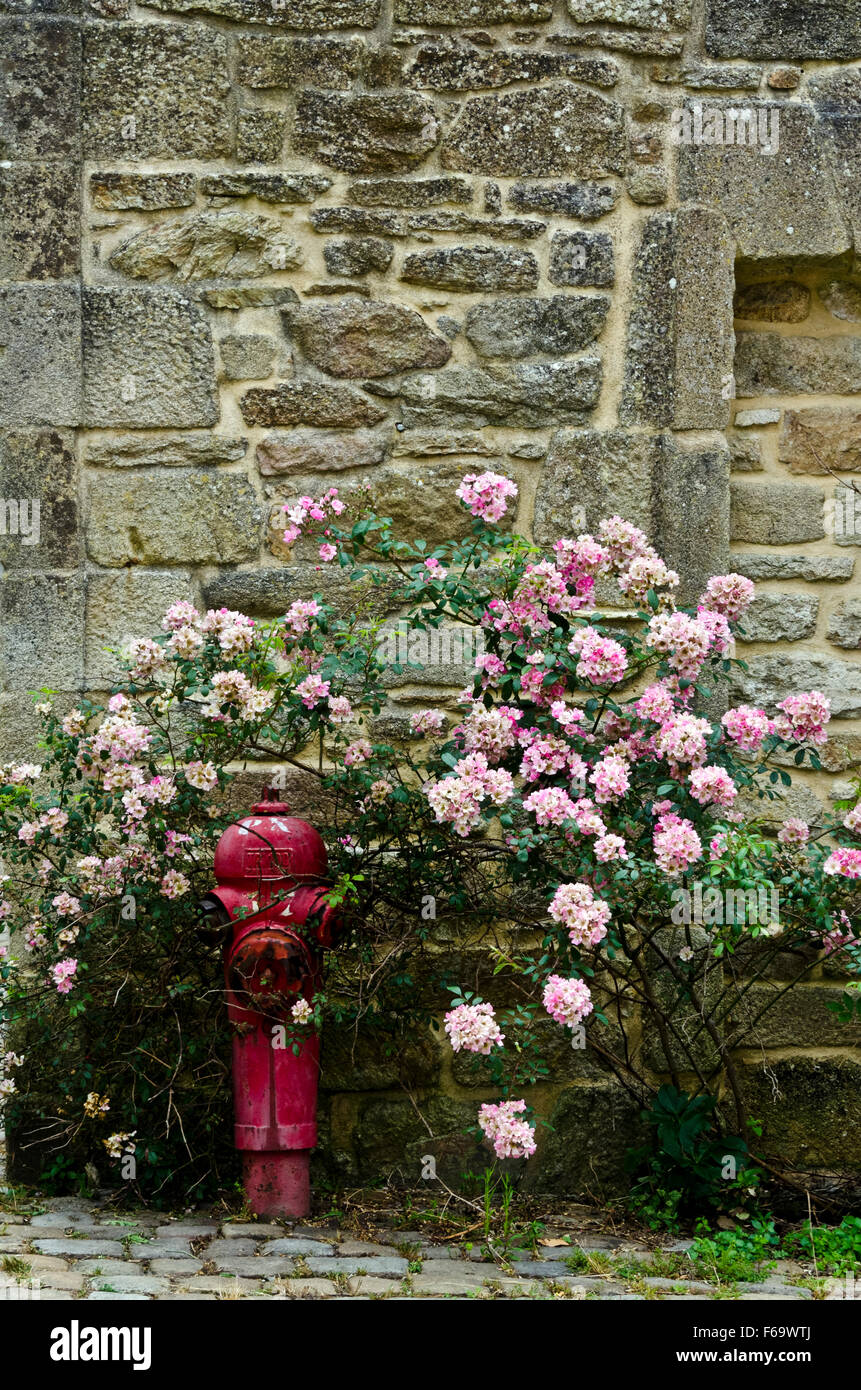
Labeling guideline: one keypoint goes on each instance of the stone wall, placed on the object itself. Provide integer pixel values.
(250, 248)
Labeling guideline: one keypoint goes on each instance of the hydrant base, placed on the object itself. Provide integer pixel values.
(278, 1183)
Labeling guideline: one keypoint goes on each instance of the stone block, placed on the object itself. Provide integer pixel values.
(42, 633)
(585, 201)
(141, 192)
(809, 567)
(314, 451)
(589, 474)
(808, 1106)
(528, 395)
(842, 298)
(557, 129)
(783, 29)
(821, 439)
(473, 12)
(769, 679)
(776, 513)
(40, 355)
(410, 193)
(780, 618)
(364, 338)
(40, 83)
(247, 356)
(39, 221)
(155, 91)
(260, 136)
(583, 1154)
(772, 364)
(125, 604)
(844, 625)
(471, 268)
(312, 15)
(782, 203)
(38, 466)
(188, 516)
(208, 245)
(365, 132)
(464, 68)
(148, 360)
(273, 61)
(357, 255)
(269, 188)
(679, 350)
(313, 403)
(521, 327)
(148, 448)
(581, 258)
(773, 301)
(641, 14)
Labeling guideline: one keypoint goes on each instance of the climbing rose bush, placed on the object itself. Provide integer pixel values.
(551, 816)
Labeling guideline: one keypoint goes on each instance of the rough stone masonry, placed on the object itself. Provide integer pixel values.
(250, 248)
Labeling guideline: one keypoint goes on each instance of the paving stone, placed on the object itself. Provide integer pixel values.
(174, 1269)
(249, 1267)
(108, 1267)
(297, 1246)
(357, 1247)
(370, 1264)
(228, 1287)
(305, 1288)
(191, 1230)
(62, 1279)
(130, 1283)
(544, 1269)
(79, 1249)
(51, 1263)
(100, 1296)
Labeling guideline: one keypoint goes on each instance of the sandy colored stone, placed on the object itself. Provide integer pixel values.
(310, 403)
(363, 338)
(557, 129)
(208, 245)
(820, 439)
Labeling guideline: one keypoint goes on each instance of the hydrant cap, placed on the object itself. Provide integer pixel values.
(269, 843)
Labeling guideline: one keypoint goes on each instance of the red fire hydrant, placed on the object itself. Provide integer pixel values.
(269, 868)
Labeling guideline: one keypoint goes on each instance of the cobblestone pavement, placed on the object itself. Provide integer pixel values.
(70, 1248)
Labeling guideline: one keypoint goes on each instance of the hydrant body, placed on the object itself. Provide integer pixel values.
(269, 868)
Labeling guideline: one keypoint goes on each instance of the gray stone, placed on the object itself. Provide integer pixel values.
(235, 1246)
(809, 567)
(123, 605)
(747, 419)
(148, 360)
(260, 136)
(131, 1283)
(583, 1153)
(308, 451)
(82, 1249)
(585, 201)
(434, 443)
(844, 625)
(247, 356)
(783, 29)
(821, 440)
(499, 229)
(523, 327)
(42, 633)
(375, 1265)
(775, 301)
(745, 453)
(175, 1268)
(771, 678)
(797, 1018)
(40, 355)
(362, 338)
(357, 255)
(310, 403)
(236, 297)
(269, 188)
(293, 1246)
(166, 1249)
(356, 220)
(39, 464)
(172, 80)
(808, 1109)
(298, 14)
(647, 184)
(167, 450)
(679, 357)
(189, 1230)
(644, 14)
(40, 77)
(475, 12)
(691, 510)
(528, 396)
(187, 516)
(272, 61)
(461, 68)
(627, 41)
(365, 132)
(409, 193)
(732, 77)
(772, 364)
(782, 203)
(252, 1266)
(208, 245)
(776, 513)
(837, 98)
(472, 268)
(557, 129)
(842, 298)
(780, 618)
(146, 192)
(581, 258)
(39, 221)
(104, 1296)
